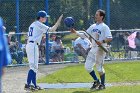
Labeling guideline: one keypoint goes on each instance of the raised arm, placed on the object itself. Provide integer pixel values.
(56, 24)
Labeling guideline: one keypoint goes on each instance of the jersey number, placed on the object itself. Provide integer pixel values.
(31, 31)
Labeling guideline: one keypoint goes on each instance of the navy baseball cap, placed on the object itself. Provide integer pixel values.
(42, 14)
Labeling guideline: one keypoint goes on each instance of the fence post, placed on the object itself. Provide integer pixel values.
(47, 38)
(100, 4)
(17, 20)
(47, 49)
(108, 12)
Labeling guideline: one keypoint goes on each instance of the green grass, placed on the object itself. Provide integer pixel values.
(115, 72)
(118, 89)
(123, 72)
(68, 74)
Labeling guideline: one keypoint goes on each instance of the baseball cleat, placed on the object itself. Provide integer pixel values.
(101, 86)
(38, 88)
(95, 85)
(29, 87)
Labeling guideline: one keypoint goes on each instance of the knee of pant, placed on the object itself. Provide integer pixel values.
(89, 69)
(100, 69)
(35, 70)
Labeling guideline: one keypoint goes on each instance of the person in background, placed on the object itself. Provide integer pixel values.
(137, 41)
(42, 48)
(53, 37)
(5, 57)
(16, 51)
(82, 46)
(58, 49)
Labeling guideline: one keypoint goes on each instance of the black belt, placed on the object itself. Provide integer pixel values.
(33, 42)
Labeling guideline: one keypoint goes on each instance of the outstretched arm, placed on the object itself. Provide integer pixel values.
(56, 24)
(83, 35)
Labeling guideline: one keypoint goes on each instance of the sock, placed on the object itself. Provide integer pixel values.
(29, 78)
(34, 79)
(102, 79)
(93, 75)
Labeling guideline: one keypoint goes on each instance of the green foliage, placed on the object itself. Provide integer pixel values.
(124, 13)
(70, 36)
(14, 61)
(67, 39)
(23, 37)
(25, 59)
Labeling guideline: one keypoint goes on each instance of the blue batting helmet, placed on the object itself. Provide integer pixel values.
(69, 21)
(42, 14)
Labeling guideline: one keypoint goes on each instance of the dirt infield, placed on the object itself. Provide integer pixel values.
(15, 77)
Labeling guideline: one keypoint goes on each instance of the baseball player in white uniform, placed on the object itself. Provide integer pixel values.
(101, 32)
(35, 33)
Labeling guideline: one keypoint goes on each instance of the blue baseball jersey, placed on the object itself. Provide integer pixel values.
(5, 57)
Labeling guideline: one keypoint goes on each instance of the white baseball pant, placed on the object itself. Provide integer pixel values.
(32, 55)
(95, 56)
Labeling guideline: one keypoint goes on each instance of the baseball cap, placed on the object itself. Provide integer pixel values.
(42, 14)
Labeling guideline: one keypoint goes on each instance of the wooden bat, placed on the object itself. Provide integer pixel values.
(97, 43)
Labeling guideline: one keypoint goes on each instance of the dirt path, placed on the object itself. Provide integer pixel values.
(15, 77)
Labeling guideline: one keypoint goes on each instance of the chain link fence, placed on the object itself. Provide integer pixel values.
(119, 48)
(124, 14)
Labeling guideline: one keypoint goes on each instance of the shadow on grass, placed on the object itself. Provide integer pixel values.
(90, 91)
(84, 91)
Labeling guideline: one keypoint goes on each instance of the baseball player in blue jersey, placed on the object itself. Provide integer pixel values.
(36, 30)
(100, 32)
(5, 57)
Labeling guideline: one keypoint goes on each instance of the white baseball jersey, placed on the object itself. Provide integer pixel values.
(36, 31)
(84, 42)
(99, 32)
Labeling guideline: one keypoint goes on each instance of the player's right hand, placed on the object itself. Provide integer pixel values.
(99, 43)
(60, 18)
(72, 30)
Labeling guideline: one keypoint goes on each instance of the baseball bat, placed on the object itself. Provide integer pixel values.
(97, 43)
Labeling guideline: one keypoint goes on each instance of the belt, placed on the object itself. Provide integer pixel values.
(33, 42)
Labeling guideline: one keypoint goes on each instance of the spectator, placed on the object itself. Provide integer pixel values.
(52, 53)
(137, 41)
(58, 49)
(42, 50)
(16, 52)
(5, 57)
(82, 46)
(117, 42)
(53, 37)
